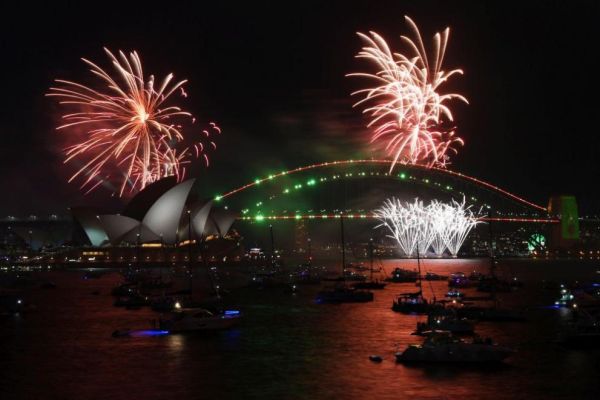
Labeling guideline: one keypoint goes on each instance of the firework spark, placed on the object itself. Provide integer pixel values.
(129, 125)
(417, 227)
(407, 112)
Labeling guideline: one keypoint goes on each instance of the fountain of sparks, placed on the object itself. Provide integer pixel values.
(438, 226)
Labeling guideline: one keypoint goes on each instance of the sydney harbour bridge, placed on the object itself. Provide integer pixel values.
(316, 194)
(323, 192)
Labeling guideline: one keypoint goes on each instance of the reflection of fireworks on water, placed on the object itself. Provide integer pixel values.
(437, 226)
(406, 109)
(129, 125)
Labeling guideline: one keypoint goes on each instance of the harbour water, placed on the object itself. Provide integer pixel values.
(288, 347)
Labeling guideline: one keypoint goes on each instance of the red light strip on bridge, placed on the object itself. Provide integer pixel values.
(349, 162)
(371, 216)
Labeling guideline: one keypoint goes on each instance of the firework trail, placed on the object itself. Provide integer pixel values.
(438, 226)
(128, 124)
(408, 113)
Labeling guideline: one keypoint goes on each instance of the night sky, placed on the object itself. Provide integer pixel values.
(273, 77)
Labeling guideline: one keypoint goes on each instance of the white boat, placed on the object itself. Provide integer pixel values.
(442, 347)
(198, 319)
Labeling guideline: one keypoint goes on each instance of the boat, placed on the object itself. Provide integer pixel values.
(445, 320)
(370, 283)
(133, 301)
(491, 312)
(414, 303)
(306, 274)
(431, 276)
(352, 276)
(566, 299)
(344, 294)
(340, 292)
(375, 358)
(163, 303)
(443, 347)
(460, 280)
(198, 319)
(454, 294)
(401, 275)
(476, 276)
(357, 267)
(125, 289)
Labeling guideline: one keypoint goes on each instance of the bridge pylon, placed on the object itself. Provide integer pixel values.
(564, 235)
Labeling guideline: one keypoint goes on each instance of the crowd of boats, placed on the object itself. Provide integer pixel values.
(447, 325)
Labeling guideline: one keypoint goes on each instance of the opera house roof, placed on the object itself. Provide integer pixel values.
(166, 212)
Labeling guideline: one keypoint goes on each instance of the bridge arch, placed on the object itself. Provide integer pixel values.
(266, 196)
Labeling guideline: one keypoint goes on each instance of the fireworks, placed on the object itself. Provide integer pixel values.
(437, 226)
(408, 113)
(128, 125)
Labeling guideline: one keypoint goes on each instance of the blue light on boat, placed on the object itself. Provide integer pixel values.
(232, 312)
(149, 332)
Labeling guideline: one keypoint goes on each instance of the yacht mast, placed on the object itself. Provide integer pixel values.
(371, 257)
(343, 243)
(419, 270)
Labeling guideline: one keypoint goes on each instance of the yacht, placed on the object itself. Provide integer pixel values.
(198, 319)
(459, 280)
(442, 347)
(413, 303)
(445, 321)
(400, 275)
(344, 294)
(373, 285)
(340, 292)
(370, 283)
(432, 276)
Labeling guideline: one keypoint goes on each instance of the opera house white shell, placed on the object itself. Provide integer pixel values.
(166, 210)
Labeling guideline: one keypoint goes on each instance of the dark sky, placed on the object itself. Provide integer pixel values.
(273, 77)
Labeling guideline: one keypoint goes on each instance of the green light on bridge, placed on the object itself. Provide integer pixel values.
(259, 218)
(311, 182)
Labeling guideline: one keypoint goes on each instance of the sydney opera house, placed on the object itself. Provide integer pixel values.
(166, 212)
(166, 222)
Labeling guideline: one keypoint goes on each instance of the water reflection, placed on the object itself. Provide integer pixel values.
(287, 346)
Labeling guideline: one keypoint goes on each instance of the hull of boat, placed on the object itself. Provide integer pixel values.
(369, 285)
(203, 324)
(335, 298)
